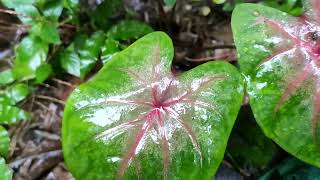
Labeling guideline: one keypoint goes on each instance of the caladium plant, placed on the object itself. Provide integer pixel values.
(280, 56)
(136, 119)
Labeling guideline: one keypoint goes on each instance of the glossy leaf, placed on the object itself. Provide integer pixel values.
(16, 3)
(129, 29)
(47, 31)
(5, 172)
(101, 16)
(292, 169)
(109, 49)
(280, 56)
(10, 114)
(51, 9)
(4, 142)
(247, 139)
(30, 54)
(43, 72)
(80, 56)
(6, 77)
(170, 2)
(135, 119)
(18, 92)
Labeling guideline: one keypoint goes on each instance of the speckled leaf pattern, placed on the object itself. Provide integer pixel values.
(136, 120)
(280, 56)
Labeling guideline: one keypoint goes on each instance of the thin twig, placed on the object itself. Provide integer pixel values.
(211, 58)
(50, 99)
(63, 82)
(222, 46)
(45, 108)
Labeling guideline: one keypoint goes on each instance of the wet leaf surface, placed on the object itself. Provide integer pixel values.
(280, 56)
(30, 54)
(129, 29)
(136, 119)
(82, 54)
(5, 172)
(4, 142)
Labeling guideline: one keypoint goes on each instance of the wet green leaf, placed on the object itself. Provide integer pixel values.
(43, 72)
(101, 15)
(292, 169)
(71, 4)
(4, 142)
(16, 3)
(10, 114)
(6, 77)
(137, 120)
(51, 9)
(110, 48)
(170, 2)
(247, 139)
(18, 92)
(129, 29)
(5, 172)
(30, 54)
(279, 54)
(81, 55)
(47, 31)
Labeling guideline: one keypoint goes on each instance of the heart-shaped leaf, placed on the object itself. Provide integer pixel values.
(136, 119)
(5, 171)
(280, 55)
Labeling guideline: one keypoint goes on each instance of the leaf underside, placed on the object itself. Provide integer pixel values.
(280, 55)
(135, 119)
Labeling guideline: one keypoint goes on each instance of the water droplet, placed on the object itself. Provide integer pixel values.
(256, 13)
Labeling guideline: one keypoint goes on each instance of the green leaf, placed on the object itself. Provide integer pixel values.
(292, 169)
(10, 114)
(170, 2)
(101, 16)
(137, 120)
(71, 4)
(4, 142)
(18, 92)
(16, 3)
(110, 48)
(129, 29)
(42, 73)
(5, 172)
(218, 1)
(6, 77)
(47, 31)
(247, 139)
(30, 54)
(293, 7)
(28, 14)
(279, 55)
(70, 62)
(81, 55)
(51, 9)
